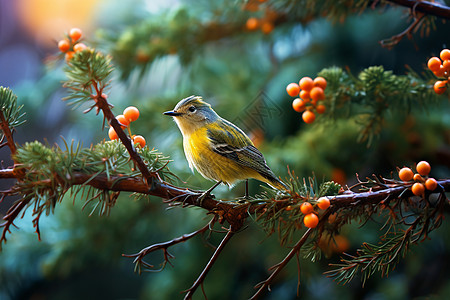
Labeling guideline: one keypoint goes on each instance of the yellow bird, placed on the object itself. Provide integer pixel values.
(217, 148)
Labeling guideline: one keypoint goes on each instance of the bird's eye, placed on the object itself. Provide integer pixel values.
(192, 109)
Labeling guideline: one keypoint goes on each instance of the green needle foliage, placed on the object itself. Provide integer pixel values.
(87, 72)
(11, 110)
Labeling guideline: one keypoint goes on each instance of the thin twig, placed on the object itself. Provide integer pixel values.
(201, 277)
(139, 257)
(277, 268)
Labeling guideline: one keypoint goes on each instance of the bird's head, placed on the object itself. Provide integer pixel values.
(192, 113)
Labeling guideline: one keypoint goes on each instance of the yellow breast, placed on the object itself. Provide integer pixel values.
(211, 165)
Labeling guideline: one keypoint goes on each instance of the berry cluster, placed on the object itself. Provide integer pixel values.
(265, 23)
(130, 114)
(422, 181)
(311, 93)
(311, 219)
(441, 68)
(71, 43)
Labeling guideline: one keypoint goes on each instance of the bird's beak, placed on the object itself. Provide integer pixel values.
(172, 113)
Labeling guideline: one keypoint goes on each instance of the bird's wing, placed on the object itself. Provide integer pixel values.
(230, 142)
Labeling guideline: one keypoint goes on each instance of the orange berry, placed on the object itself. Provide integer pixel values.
(323, 203)
(267, 27)
(446, 65)
(445, 54)
(289, 207)
(69, 55)
(75, 34)
(405, 174)
(293, 89)
(417, 177)
(440, 87)
(252, 24)
(112, 134)
(123, 121)
(306, 83)
(423, 168)
(440, 72)
(308, 117)
(139, 140)
(418, 189)
(304, 95)
(298, 105)
(64, 45)
(320, 109)
(434, 64)
(317, 94)
(320, 82)
(131, 113)
(79, 47)
(311, 220)
(306, 208)
(431, 184)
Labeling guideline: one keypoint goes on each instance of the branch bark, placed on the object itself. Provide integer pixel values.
(427, 7)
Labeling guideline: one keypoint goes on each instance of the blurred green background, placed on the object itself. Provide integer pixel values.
(243, 76)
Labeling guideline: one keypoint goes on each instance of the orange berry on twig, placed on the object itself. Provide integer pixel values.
(79, 47)
(293, 89)
(323, 203)
(308, 117)
(75, 34)
(123, 121)
(320, 82)
(440, 87)
(304, 95)
(317, 94)
(306, 208)
(405, 174)
(431, 184)
(64, 45)
(445, 54)
(320, 109)
(306, 83)
(131, 113)
(112, 134)
(267, 27)
(298, 105)
(418, 189)
(139, 141)
(252, 24)
(423, 168)
(69, 55)
(434, 64)
(311, 220)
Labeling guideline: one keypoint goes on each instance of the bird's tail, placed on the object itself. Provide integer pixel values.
(276, 183)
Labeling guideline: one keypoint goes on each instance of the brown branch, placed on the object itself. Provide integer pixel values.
(10, 142)
(7, 132)
(8, 173)
(201, 277)
(139, 257)
(278, 267)
(103, 104)
(426, 7)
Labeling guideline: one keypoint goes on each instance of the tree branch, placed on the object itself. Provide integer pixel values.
(431, 8)
(139, 257)
(278, 267)
(201, 278)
